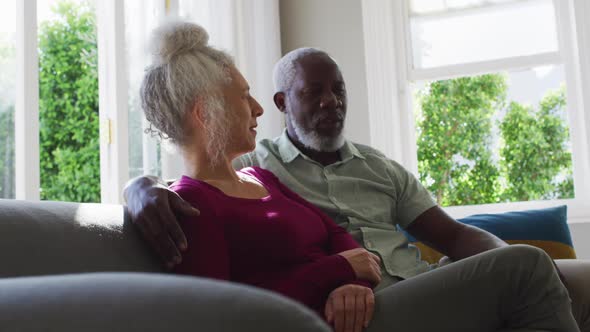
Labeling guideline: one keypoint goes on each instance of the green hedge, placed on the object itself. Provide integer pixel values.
(68, 105)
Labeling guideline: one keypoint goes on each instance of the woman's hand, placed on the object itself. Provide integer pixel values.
(366, 265)
(349, 308)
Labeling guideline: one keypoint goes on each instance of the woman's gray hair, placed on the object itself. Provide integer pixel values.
(185, 70)
(284, 70)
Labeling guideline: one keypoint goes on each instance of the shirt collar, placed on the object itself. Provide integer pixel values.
(289, 151)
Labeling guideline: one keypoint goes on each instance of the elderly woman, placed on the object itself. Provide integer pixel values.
(252, 229)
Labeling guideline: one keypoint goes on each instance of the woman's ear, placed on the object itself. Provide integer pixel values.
(197, 114)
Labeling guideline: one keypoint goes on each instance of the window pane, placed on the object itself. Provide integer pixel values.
(141, 18)
(500, 137)
(463, 3)
(475, 35)
(68, 101)
(418, 7)
(7, 97)
(207, 14)
(421, 7)
(197, 11)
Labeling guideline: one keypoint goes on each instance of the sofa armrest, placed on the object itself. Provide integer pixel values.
(146, 302)
(45, 238)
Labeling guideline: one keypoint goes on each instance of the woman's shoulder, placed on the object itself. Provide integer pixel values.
(263, 175)
(193, 191)
(186, 185)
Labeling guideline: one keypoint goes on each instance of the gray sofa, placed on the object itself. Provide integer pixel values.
(83, 267)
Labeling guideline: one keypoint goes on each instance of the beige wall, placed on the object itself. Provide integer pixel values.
(335, 26)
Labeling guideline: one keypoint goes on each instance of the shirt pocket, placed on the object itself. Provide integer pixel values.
(373, 202)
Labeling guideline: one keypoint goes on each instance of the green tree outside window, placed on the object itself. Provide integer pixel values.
(455, 155)
(68, 105)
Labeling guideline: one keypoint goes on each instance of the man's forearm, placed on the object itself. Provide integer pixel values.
(472, 241)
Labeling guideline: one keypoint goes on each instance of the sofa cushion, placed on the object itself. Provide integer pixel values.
(41, 238)
(140, 302)
(543, 228)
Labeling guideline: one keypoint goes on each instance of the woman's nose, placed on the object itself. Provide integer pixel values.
(256, 108)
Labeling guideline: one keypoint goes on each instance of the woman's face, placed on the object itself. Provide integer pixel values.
(244, 111)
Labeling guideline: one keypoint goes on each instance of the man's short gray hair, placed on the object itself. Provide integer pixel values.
(185, 69)
(285, 69)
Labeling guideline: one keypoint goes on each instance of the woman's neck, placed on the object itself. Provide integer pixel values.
(198, 165)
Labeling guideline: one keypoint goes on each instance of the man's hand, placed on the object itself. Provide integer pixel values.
(365, 264)
(349, 308)
(155, 209)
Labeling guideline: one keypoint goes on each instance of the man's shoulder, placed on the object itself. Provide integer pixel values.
(376, 155)
(264, 148)
(366, 150)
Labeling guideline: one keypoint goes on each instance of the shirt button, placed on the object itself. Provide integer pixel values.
(369, 244)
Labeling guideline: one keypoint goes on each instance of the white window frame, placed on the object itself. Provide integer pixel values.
(26, 117)
(112, 101)
(113, 94)
(390, 71)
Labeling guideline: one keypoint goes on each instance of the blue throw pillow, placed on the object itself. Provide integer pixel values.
(543, 225)
(543, 228)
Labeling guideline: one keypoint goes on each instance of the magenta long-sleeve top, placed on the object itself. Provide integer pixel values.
(280, 242)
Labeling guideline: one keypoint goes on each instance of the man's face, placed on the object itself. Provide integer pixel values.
(316, 104)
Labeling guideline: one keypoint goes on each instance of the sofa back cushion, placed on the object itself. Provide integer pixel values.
(41, 238)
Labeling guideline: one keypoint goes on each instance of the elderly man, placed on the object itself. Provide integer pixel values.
(371, 196)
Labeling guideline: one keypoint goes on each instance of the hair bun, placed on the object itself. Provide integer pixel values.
(176, 38)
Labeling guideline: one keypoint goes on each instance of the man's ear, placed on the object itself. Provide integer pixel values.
(279, 99)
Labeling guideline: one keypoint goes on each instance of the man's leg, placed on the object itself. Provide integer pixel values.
(577, 278)
(515, 288)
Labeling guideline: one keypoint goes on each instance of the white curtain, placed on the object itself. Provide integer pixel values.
(250, 31)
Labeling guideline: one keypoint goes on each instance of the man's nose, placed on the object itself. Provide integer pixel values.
(329, 101)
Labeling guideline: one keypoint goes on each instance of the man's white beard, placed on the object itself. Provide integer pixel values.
(312, 140)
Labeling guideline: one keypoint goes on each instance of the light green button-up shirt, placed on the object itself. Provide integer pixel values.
(366, 193)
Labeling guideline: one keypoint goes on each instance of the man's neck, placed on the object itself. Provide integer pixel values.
(322, 157)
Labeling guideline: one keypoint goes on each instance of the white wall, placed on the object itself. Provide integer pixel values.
(336, 27)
